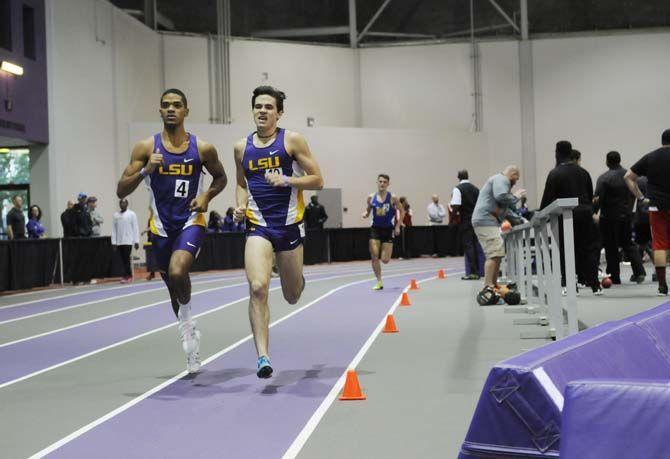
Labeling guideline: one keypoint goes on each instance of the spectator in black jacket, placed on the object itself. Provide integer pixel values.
(315, 214)
(616, 219)
(16, 221)
(82, 218)
(215, 223)
(69, 221)
(569, 180)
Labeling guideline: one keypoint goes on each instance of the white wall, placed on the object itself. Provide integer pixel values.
(501, 104)
(318, 81)
(601, 93)
(419, 87)
(430, 87)
(104, 71)
(185, 67)
(351, 158)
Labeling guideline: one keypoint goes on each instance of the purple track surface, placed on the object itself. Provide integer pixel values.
(23, 358)
(226, 411)
(102, 294)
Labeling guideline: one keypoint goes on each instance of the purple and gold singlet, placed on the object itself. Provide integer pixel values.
(271, 206)
(172, 187)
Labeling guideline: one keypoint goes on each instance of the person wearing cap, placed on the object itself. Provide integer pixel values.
(95, 216)
(82, 219)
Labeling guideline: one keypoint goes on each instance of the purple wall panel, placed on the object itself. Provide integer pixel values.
(29, 116)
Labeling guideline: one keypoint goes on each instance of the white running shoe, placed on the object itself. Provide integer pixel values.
(190, 342)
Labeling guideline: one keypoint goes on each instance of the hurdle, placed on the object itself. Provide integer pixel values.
(537, 242)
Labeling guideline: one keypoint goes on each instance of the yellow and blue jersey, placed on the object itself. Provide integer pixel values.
(383, 211)
(172, 186)
(268, 205)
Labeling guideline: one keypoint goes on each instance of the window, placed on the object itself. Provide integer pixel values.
(6, 24)
(29, 32)
(15, 166)
(14, 180)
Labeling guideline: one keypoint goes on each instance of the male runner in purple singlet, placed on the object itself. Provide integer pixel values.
(170, 164)
(387, 213)
(273, 167)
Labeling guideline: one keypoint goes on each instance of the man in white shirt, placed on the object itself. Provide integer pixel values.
(436, 212)
(125, 234)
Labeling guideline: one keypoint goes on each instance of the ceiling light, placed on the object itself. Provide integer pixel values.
(11, 68)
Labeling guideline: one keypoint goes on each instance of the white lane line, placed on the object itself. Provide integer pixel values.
(69, 327)
(54, 446)
(114, 298)
(196, 281)
(102, 300)
(311, 425)
(195, 277)
(155, 330)
(111, 316)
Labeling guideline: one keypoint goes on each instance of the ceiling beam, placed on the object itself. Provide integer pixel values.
(373, 20)
(480, 29)
(505, 15)
(150, 13)
(524, 19)
(353, 26)
(161, 19)
(302, 32)
(403, 35)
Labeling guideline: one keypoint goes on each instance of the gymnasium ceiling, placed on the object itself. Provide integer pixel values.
(404, 20)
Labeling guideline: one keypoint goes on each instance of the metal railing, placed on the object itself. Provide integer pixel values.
(533, 262)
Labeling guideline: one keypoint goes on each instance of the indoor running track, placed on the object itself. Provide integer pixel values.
(97, 372)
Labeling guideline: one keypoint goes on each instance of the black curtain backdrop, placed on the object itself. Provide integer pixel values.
(35, 263)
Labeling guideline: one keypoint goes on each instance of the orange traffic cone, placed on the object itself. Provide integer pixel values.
(441, 274)
(390, 325)
(413, 286)
(404, 301)
(352, 390)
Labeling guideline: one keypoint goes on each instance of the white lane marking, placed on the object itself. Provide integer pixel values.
(309, 428)
(155, 330)
(114, 298)
(120, 313)
(111, 316)
(62, 442)
(195, 278)
(102, 300)
(546, 382)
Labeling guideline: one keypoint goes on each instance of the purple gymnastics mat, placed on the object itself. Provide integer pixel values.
(519, 410)
(616, 419)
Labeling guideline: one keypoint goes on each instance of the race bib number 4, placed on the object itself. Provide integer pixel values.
(181, 188)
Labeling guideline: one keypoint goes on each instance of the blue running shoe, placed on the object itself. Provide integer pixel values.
(264, 368)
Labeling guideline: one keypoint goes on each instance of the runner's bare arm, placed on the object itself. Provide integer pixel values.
(368, 208)
(241, 192)
(141, 157)
(297, 147)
